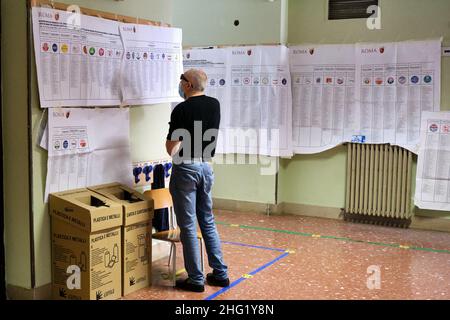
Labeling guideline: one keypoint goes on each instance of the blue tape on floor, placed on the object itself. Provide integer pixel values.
(235, 283)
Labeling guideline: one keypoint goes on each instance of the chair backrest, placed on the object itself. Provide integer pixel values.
(163, 199)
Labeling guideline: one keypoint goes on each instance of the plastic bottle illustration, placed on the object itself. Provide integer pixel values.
(115, 256)
(107, 259)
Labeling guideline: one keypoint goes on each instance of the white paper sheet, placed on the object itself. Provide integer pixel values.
(87, 147)
(44, 140)
(395, 83)
(323, 96)
(152, 64)
(253, 86)
(78, 59)
(433, 167)
(366, 93)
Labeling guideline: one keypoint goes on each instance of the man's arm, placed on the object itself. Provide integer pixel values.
(173, 144)
(172, 147)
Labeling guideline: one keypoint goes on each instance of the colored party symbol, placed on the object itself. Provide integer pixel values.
(402, 80)
(45, 47)
(83, 144)
(65, 48)
(92, 51)
(434, 127)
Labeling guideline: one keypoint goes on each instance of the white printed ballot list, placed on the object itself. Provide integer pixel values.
(433, 175)
(87, 147)
(253, 85)
(323, 96)
(396, 83)
(78, 59)
(152, 64)
(261, 98)
(365, 93)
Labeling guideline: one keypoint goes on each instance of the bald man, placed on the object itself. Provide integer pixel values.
(191, 142)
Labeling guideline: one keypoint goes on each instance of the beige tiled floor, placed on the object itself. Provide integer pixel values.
(318, 259)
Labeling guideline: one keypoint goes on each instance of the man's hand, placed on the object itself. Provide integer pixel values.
(172, 147)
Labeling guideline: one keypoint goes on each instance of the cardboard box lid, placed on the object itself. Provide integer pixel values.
(130, 199)
(86, 210)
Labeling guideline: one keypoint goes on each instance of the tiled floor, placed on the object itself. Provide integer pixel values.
(294, 257)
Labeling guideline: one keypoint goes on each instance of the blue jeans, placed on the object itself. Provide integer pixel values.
(190, 187)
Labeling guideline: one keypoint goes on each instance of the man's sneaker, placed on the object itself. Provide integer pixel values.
(187, 285)
(213, 281)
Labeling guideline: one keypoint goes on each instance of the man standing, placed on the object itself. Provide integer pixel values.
(192, 138)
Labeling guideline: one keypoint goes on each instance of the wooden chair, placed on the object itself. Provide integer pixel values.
(162, 200)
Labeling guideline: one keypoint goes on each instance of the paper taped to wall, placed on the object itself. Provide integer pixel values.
(78, 60)
(87, 147)
(253, 85)
(81, 61)
(152, 64)
(433, 166)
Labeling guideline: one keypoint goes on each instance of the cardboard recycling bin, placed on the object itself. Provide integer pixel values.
(136, 235)
(86, 240)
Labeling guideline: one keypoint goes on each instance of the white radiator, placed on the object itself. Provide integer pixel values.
(378, 185)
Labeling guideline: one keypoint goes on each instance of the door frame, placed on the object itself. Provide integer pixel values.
(2, 225)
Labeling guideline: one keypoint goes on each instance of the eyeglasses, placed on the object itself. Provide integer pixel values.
(182, 77)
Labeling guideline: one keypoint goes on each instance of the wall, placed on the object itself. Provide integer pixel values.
(15, 142)
(319, 180)
(148, 128)
(211, 22)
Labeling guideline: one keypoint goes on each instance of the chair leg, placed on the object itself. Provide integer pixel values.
(170, 254)
(174, 266)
